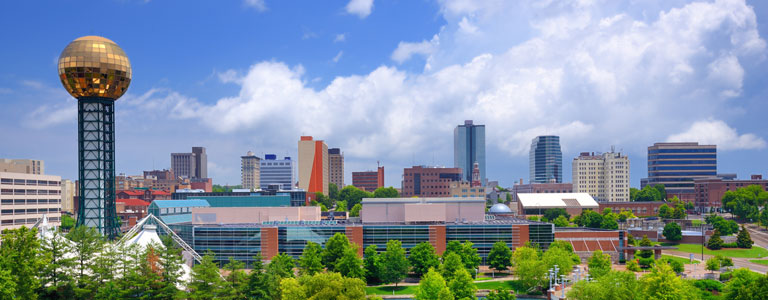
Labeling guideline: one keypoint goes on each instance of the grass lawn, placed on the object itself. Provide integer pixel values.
(685, 261)
(387, 290)
(759, 261)
(696, 222)
(755, 252)
(482, 278)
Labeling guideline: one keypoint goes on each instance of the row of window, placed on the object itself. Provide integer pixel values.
(27, 221)
(29, 182)
(30, 201)
(29, 211)
(29, 192)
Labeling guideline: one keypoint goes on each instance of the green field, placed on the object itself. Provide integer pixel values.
(685, 261)
(755, 252)
(411, 289)
(759, 261)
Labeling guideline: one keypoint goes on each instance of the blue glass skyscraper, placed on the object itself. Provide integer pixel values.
(546, 160)
(468, 148)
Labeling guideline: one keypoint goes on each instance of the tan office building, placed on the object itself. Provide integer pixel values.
(250, 171)
(68, 196)
(603, 176)
(313, 166)
(25, 198)
(336, 167)
(27, 166)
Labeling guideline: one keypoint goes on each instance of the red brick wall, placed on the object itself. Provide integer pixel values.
(523, 235)
(437, 238)
(651, 208)
(355, 236)
(269, 242)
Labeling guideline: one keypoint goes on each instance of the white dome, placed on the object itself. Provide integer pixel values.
(499, 208)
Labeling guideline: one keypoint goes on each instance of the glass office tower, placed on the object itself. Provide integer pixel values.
(676, 165)
(468, 148)
(546, 160)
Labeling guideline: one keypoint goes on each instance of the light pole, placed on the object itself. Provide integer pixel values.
(562, 280)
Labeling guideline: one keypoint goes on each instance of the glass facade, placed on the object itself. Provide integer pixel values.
(546, 160)
(240, 243)
(468, 148)
(409, 235)
(277, 171)
(291, 240)
(676, 165)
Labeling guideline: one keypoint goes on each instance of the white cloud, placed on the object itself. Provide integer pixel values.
(228, 76)
(338, 56)
(259, 5)
(718, 133)
(52, 114)
(361, 8)
(406, 50)
(341, 37)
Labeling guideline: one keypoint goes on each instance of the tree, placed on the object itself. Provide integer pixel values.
(743, 240)
(500, 294)
(334, 249)
(662, 191)
(561, 221)
(500, 257)
(386, 192)
(290, 289)
(633, 266)
(67, 222)
(633, 193)
(645, 242)
(423, 258)
(614, 285)
(609, 222)
(589, 218)
(528, 266)
(724, 261)
(713, 264)
(333, 191)
(599, 264)
(394, 265)
(764, 217)
(679, 211)
(280, 267)
(206, 281)
(746, 285)
(350, 264)
(257, 281)
(20, 257)
(371, 264)
(676, 265)
(170, 264)
(469, 257)
(665, 212)
(663, 283)
(630, 240)
(715, 242)
(648, 193)
(352, 195)
(355, 211)
(432, 287)
(626, 214)
(452, 246)
(56, 274)
(86, 241)
(451, 264)
(322, 286)
(462, 286)
(236, 280)
(324, 200)
(311, 260)
(744, 202)
(672, 232)
(560, 257)
(341, 206)
(553, 213)
(726, 227)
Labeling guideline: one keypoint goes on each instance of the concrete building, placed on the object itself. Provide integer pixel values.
(313, 166)
(677, 165)
(546, 160)
(463, 189)
(423, 210)
(205, 184)
(26, 166)
(368, 180)
(255, 215)
(127, 182)
(426, 181)
(336, 167)
(540, 188)
(190, 165)
(25, 198)
(250, 170)
(604, 176)
(573, 203)
(709, 191)
(277, 171)
(469, 148)
(68, 192)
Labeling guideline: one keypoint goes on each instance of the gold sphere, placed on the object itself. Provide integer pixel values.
(93, 66)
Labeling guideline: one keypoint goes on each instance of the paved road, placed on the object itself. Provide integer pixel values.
(737, 262)
(759, 235)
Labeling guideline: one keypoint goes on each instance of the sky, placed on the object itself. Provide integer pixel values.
(388, 81)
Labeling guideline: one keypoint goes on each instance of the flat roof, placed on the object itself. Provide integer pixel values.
(556, 200)
(511, 221)
(423, 200)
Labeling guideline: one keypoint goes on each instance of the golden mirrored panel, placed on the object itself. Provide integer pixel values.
(93, 66)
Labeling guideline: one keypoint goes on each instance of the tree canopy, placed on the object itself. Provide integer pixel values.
(744, 203)
(672, 232)
(423, 258)
(500, 257)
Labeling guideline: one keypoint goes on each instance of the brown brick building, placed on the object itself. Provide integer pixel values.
(429, 181)
(709, 191)
(540, 188)
(638, 208)
(368, 180)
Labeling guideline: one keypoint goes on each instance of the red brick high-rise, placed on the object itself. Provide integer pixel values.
(368, 180)
(429, 181)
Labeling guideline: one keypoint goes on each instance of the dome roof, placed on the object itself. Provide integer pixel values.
(93, 66)
(499, 208)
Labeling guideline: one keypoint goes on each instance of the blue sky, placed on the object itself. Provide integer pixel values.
(388, 80)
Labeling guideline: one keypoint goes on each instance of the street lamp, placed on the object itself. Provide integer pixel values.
(562, 280)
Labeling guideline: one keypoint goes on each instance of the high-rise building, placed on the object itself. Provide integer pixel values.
(604, 176)
(425, 181)
(336, 167)
(277, 171)
(250, 171)
(677, 165)
(313, 166)
(97, 72)
(369, 180)
(68, 196)
(469, 148)
(709, 191)
(27, 166)
(25, 198)
(546, 160)
(190, 165)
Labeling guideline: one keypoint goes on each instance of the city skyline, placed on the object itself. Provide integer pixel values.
(719, 84)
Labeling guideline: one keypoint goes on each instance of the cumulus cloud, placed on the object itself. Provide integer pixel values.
(51, 115)
(259, 5)
(361, 8)
(718, 133)
(405, 50)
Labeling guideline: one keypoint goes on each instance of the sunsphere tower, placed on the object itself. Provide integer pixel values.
(97, 72)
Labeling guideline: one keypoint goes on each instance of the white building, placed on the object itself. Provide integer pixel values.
(250, 171)
(24, 198)
(604, 176)
(277, 171)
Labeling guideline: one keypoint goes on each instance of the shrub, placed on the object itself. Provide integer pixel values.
(725, 276)
(730, 245)
(709, 285)
(632, 266)
(715, 242)
(646, 262)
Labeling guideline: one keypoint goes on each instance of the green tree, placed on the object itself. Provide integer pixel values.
(648, 193)
(725, 227)
(764, 217)
(626, 214)
(56, 274)
(630, 240)
(561, 258)
(432, 287)
(86, 241)
(291, 289)
(633, 266)
(341, 206)
(645, 242)
(324, 200)
(355, 211)
(663, 283)
(236, 280)
(386, 192)
(715, 242)
(423, 258)
(724, 261)
(462, 285)
(333, 191)
(665, 212)
(394, 265)
(744, 202)
(589, 218)
(553, 213)
(746, 285)
(614, 285)
(679, 211)
(673, 232)
(371, 264)
(529, 267)
(713, 264)
(206, 282)
(280, 267)
(334, 249)
(350, 264)
(469, 257)
(452, 246)
(352, 195)
(332, 286)
(67, 222)
(676, 265)
(609, 222)
(662, 192)
(451, 263)
(633, 193)
(743, 240)
(500, 294)
(20, 257)
(311, 260)
(257, 280)
(599, 264)
(500, 257)
(561, 221)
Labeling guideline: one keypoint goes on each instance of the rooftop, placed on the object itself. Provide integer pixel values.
(554, 200)
(181, 203)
